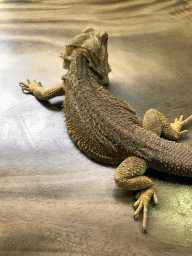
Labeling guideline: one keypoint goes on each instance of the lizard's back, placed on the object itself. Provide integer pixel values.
(96, 120)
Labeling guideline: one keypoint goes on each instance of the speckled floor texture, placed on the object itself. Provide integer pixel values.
(54, 199)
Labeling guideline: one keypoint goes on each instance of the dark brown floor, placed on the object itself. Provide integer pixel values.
(55, 200)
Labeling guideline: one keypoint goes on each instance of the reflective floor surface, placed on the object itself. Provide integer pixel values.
(54, 199)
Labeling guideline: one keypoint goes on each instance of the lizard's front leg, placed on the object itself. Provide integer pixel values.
(129, 175)
(39, 92)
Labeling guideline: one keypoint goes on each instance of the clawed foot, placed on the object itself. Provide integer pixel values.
(30, 86)
(178, 124)
(143, 198)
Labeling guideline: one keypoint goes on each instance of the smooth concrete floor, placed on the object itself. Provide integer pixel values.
(54, 199)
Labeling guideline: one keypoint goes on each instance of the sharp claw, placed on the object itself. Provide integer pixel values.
(24, 89)
(136, 216)
(22, 84)
(26, 92)
(184, 132)
(155, 198)
(39, 84)
(181, 118)
(144, 217)
(187, 120)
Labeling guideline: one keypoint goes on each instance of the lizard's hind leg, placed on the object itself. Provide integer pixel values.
(156, 122)
(129, 175)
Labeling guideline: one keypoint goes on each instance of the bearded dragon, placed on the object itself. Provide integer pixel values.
(107, 129)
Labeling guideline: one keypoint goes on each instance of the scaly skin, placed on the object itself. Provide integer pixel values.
(107, 129)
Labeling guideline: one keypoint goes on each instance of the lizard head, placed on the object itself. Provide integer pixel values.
(93, 45)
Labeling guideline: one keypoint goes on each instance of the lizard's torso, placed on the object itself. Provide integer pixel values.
(96, 120)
